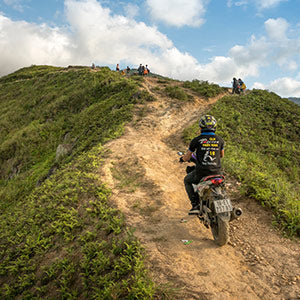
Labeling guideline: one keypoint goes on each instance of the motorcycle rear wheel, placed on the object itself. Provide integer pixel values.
(220, 231)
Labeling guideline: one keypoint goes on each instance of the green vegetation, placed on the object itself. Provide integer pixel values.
(204, 88)
(64, 241)
(262, 134)
(44, 107)
(59, 238)
(176, 92)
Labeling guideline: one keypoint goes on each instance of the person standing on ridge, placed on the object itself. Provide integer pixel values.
(241, 85)
(209, 149)
(148, 70)
(235, 86)
(117, 68)
(140, 69)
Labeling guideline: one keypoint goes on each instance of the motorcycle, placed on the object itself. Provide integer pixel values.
(216, 210)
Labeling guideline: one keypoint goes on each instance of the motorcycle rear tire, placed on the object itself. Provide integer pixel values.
(220, 231)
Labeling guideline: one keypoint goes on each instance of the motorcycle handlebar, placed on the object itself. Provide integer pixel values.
(192, 159)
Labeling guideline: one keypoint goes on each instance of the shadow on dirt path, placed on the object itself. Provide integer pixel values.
(146, 179)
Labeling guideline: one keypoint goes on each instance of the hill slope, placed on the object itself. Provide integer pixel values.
(61, 236)
(147, 183)
(262, 132)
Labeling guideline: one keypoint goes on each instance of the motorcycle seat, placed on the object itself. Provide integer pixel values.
(206, 178)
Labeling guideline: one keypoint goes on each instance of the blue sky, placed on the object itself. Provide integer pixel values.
(256, 40)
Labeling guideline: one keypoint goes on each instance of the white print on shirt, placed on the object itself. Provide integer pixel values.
(203, 141)
(208, 157)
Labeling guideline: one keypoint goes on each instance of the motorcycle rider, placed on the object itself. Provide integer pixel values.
(209, 149)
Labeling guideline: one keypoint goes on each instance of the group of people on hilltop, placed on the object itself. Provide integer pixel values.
(123, 71)
(238, 86)
(143, 70)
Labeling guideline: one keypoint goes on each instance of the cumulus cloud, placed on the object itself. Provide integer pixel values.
(254, 55)
(276, 29)
(94, 35)
(260, 4)
(273, 48)
(285, 87)
(22, 44)
(99, 35)
(131, 10)
(178, 12)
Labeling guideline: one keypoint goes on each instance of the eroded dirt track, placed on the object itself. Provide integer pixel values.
(143, 172)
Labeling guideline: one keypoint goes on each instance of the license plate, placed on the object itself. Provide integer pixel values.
(223, 205)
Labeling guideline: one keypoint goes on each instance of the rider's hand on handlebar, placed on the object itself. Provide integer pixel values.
(181, 159)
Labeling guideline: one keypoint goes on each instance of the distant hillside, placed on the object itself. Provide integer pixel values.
(262, 134)
(294, 99)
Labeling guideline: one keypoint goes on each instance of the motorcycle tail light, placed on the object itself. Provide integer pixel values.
(217, 180)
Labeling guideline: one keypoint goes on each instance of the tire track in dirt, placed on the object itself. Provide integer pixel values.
(146, 179)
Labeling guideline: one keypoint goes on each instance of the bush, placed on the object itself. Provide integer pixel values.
(205, 89)
(176, 92)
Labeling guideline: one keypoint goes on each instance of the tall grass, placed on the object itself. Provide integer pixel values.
(261, 131)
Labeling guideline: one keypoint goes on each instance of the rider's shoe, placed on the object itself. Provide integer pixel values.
(195, 210)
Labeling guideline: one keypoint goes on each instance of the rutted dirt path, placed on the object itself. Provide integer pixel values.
(143, 172)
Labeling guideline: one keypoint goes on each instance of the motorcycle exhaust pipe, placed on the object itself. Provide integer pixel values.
(236, 213)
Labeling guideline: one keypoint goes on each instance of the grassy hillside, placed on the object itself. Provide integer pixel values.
(59, 238)
(44, 107)
(262, 134)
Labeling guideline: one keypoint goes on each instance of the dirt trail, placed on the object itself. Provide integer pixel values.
(143, 172)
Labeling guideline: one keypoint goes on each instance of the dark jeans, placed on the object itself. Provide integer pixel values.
(191, 178)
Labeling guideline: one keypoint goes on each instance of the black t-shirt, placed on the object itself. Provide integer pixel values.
(208, 146)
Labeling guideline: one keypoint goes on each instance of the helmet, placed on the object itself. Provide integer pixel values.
(208, 122)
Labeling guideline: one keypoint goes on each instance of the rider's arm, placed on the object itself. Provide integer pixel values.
(222, 153)
(187, 156)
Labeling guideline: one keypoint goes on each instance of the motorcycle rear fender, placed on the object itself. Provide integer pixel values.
(225, 216)
(200, 187)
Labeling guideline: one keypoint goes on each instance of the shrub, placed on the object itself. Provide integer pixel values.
(205, 89)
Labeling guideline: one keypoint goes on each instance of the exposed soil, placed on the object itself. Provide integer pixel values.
(146, 179)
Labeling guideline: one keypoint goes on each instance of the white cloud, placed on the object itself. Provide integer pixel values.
(99, 35)
(274, 48)
(131, 10)
(23, 44)
(290, 66)
(94, 35)
(254, 55)
(15, 4)
(285, 87)
(276, 29)
(260, 4)
(178, 12)
(265, 4)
